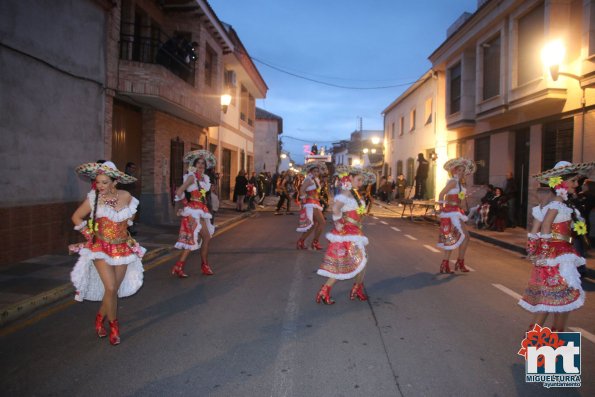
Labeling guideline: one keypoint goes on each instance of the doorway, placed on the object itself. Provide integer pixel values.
(226, 174)
(127, 139)
(521, 176)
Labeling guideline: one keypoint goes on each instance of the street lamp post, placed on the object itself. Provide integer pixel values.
(552, 56)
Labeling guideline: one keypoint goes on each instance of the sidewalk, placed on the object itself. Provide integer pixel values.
(513, 239)
(35, 282)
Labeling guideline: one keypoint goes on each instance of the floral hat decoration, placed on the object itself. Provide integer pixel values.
(468, 165)
(209, 157)
(369, 176)
(91, 170)
(317, 164)
(343, 172)
(554, 177)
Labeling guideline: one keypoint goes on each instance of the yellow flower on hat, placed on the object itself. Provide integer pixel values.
(554, 181)
(580, 228)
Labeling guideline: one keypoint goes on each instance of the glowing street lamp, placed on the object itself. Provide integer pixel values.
(291, 164)
(225, 101)
(366, 150)
(552, 56)
(283, 156)
(373, 150)
(375, 140)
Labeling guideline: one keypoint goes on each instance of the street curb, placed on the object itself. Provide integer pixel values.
(20, 309)
(499, 243)
(487, 239)
(26, 306)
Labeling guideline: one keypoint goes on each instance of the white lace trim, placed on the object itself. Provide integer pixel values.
(353, 238)
(554, 309)
(360, 267)
(88, 284)
(205, 183)
(197, 241)
(456, 218)
(349, 203)
(310, 205)
(104, 211)
(456, 190)
(564, 212)
(538, 213)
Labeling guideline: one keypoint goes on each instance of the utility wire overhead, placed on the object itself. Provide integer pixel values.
(327, 83)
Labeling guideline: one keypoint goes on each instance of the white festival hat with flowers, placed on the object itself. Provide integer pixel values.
(564, 168)
(91, 170)
(317, 164)
(343, 172)
(468, 165)
(201, 153)
(369, 176)
(554, 177)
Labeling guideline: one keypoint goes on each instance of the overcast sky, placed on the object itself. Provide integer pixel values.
(354, 43)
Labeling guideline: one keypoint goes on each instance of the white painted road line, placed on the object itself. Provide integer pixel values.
(431, 248)
(375, 217)
(507, 291)
(470, 268)
(396, 229)
(585, 334)
(410, 237)
(383, 222)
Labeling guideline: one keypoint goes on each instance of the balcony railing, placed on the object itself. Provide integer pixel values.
(177, 54)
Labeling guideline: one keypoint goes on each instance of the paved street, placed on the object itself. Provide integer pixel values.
(253, 329)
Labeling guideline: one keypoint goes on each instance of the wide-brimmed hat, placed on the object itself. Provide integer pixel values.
(564, 168)
(468, 165)
(317, 164)
(201, 153)
(369, 177)
(91, 170)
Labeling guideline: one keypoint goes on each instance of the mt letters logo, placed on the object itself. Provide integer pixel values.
(552, 358)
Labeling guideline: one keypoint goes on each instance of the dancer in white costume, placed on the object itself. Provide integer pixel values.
(453, 233)
(109, 265)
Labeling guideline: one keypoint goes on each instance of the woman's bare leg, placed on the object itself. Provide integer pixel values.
(206, 238)
(107, 274)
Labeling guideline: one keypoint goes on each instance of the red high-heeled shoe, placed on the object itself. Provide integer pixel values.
(114, 334)
(445, 266)
(324, 295)
(206, 269)
(357, 291)
(316, 245)
(300, 245)
(460, 265)
(178, 269)
(99, 328)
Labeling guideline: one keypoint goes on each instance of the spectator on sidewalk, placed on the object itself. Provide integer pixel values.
(499, 210)
(400, 186)
(261, 189)
(240, 190)
(285, 190)
(274, 183)
(385, 190)
(421, 176)
(510, 191)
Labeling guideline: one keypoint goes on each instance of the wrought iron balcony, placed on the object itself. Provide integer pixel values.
(177, 54)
